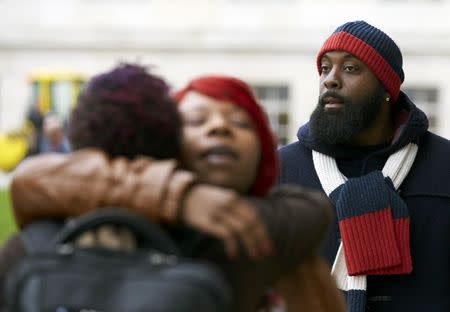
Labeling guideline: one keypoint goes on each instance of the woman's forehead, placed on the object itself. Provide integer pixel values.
(194, 100)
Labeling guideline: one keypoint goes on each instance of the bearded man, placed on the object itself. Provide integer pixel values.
(367, 147)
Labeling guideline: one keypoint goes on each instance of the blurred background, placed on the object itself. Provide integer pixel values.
(48, 48)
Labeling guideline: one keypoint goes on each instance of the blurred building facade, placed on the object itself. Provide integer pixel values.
(271, 44)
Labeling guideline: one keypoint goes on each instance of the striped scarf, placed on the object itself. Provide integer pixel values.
(373, 222)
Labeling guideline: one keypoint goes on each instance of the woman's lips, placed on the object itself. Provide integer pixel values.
(219, 159)
(220, 155)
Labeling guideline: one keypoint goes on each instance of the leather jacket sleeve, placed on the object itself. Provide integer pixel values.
(55, 185)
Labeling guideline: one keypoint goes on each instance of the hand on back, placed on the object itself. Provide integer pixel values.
(108, 236)
(224, 215)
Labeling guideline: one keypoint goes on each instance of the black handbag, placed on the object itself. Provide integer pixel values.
(55, 276)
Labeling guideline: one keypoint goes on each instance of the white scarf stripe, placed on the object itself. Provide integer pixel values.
(357, 283)
(340, 274)
(396, 168)
(398, 165)
(325, 166)
(339, 270)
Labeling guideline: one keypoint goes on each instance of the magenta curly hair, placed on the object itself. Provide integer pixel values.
(126, 112)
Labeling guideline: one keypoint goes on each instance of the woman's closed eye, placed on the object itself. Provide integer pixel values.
(241, 122)
(194, 119)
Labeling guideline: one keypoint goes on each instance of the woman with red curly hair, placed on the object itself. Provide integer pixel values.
(225, 141)
(229, 103)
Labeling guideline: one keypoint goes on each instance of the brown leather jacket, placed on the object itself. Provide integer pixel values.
(297, 220)
(56, 185)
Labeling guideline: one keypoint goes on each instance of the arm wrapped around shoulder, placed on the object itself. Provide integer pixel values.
(60, 186)
(56, 185)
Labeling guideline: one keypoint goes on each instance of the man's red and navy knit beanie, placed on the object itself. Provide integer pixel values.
(372, 46)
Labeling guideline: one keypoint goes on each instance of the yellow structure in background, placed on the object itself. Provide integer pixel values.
(50, 92)
(13, 150)
(14, 146)
(55, 91)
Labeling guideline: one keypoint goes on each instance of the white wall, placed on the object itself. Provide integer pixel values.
(259, 41)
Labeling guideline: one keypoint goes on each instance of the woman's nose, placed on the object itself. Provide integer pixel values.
(219, 125)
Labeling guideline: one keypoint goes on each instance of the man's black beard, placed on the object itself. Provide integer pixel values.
(340, 126)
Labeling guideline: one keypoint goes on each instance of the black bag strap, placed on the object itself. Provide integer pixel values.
(149, 235)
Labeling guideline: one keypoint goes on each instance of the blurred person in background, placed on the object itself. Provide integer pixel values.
(53, 138)
(367, 147)
(127, 113)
